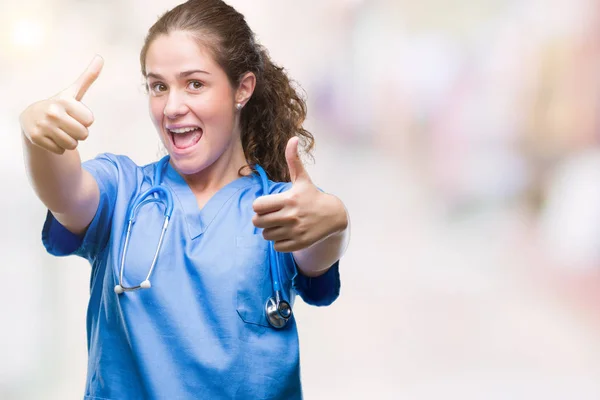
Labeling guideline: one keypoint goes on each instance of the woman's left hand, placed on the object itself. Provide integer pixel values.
(302, 216)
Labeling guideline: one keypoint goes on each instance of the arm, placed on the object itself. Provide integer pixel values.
(50, 132)
(65, 188)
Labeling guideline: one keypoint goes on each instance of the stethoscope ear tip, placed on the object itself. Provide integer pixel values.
(119, 289)
(146, 284)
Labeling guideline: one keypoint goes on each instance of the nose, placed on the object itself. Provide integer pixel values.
(175, 106)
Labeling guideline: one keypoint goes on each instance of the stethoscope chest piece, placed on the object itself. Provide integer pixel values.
(278, 312)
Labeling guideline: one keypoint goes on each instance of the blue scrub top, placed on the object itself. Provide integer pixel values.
(200, 331)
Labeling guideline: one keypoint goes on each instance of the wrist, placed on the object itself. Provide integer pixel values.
(338, 215)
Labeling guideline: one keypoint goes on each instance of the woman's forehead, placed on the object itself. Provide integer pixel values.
(178, 52)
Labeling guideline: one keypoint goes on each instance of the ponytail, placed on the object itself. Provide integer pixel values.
(274, 114)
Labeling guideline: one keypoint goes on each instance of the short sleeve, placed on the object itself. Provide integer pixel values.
(322, 290)
(59, 241)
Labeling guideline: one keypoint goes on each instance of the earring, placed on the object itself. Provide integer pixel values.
(238, 106)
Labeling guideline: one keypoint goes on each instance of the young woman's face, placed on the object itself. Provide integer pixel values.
(192, 103)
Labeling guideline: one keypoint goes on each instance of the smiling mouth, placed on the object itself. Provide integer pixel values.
(184, 138)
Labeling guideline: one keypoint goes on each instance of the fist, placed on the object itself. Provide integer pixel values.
(60, 122)
(300, 217)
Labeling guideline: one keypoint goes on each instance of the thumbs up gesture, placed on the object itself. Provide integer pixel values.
(300, 217)
(60, 122)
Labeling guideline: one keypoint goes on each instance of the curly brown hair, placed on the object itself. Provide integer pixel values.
(276, 111)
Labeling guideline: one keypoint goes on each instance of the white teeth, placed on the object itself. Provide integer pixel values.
(183, 130)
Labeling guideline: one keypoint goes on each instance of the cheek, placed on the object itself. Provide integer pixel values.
(222, 124)
(211, 108)
(222, 115)
(156, 111)
(217, 105)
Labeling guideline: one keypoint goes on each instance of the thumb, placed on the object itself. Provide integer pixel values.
(294, 162)
(78, 89)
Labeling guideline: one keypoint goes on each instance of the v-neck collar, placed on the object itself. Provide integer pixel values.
(198, 219)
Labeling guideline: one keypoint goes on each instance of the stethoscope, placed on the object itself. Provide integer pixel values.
(277, 310)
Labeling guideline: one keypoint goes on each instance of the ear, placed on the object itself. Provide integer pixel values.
(245, 88)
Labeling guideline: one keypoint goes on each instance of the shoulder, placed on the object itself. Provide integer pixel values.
(122, 164)
(253, 183)
(113, 170)
(116, 159)
(279, 187)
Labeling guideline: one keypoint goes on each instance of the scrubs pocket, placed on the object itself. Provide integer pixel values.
(254, 285)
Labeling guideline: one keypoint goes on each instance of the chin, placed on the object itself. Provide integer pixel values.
(187, 165)
(190, 164)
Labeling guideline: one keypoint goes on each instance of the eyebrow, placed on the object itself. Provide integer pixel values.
(181, 74)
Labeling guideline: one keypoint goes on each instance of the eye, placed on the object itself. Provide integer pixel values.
(158, 87)
(195, 85)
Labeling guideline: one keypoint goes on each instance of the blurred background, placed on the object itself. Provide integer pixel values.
(464, 138)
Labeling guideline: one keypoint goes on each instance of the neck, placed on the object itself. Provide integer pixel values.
(224, 170)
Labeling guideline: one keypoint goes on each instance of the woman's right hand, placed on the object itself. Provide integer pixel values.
(60, 122)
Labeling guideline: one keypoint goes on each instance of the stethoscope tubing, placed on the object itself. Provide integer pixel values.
(277, 309)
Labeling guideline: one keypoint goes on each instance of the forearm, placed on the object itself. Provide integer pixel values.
(56, 179)
(318, 258)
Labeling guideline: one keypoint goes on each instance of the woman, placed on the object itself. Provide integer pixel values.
(213, 317)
